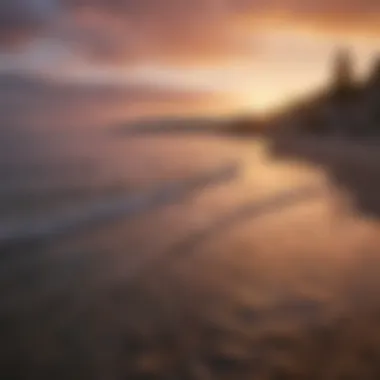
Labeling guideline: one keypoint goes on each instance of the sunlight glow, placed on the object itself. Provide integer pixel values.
(282, 62)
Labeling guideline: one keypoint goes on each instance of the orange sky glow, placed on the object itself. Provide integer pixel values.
(254, 55)
(283, 62)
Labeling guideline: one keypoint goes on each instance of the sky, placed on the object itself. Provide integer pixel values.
(205, 56)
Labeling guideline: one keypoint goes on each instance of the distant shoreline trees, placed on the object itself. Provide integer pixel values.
(347, 108)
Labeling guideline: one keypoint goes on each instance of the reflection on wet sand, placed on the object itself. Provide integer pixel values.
(288, 294)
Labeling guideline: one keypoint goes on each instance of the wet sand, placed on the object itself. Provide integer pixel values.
(235, 281)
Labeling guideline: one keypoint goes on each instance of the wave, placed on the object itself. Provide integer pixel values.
(110, 210)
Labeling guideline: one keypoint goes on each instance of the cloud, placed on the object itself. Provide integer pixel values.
(21, 19)
(47, 103)
(124, 31)
(158, 29)
(326, 16)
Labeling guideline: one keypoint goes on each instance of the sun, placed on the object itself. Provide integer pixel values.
(262, 103)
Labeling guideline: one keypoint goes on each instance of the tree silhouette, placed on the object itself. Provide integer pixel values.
(343, 75)
(373, 90)
(374, 79)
